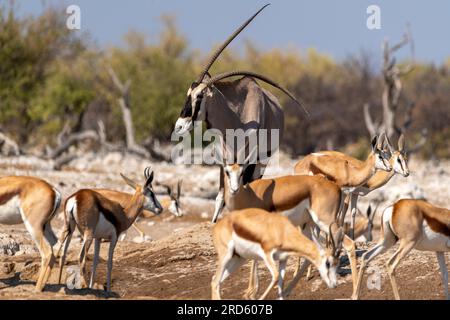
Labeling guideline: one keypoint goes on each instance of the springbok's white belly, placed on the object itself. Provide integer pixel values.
(247, 249)
(298, 215)
(10, 212)
(432, 241)
(104, 228)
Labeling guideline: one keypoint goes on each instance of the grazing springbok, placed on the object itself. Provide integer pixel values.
(348, 175)
(239, 104)
(415, 224)
(308, 202)
(257, 234)
(97, 218)
(363, 231)
(33, 202)
(171, 204)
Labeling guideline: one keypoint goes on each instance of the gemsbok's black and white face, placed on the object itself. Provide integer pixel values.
(193, 109)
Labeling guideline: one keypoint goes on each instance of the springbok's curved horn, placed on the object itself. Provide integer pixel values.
(226, 43)
(257, 76)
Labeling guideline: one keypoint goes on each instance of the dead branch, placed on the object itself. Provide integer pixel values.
(71, 140)
(8, 146)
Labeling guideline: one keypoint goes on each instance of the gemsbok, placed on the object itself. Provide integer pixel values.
(257, 234)
(171, 204)
(348, 175)
(240, 104)
(33, 202)
(415, 224)
(97, 218)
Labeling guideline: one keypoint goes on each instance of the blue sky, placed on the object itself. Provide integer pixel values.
(337, 28)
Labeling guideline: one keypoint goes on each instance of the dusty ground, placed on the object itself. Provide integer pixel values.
(179, 261)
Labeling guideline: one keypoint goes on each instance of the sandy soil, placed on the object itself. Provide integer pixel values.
(179, 261)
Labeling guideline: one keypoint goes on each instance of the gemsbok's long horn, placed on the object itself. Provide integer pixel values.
(257, 76)
(226, 43)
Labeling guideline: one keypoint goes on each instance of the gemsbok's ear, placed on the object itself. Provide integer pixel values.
(128, 181)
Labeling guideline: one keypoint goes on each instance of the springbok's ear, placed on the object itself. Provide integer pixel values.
(380, 141)
(401, 143)
(389, 145)
(374, 143)
(168, 189)
(128, 181)
(369, 211)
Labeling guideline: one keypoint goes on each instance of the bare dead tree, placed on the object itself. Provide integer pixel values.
(124, 103)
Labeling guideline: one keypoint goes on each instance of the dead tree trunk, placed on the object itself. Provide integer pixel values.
(124, 103)
(392, 89)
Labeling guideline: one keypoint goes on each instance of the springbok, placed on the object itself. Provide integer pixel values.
(171, 204)
(398, 161)
(416, 224)
(308, 201)
(348, 175)
(257, 234)
(97, 218)
(33, 202)
(239, 104)
(363, 231)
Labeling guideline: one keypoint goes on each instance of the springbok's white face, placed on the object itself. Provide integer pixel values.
(233, 173)
(382, 156)
(327, 267)
(399, 164)
(193, 109)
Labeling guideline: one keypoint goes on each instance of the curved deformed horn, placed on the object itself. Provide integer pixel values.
(257, 76)
(226, 43)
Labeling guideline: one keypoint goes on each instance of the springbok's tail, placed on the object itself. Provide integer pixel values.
(49, 234)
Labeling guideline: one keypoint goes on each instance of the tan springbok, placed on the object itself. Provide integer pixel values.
(96, 218)
(348, 175)
(257, 234)
(171, 204)
(33, 202)
(415, 224)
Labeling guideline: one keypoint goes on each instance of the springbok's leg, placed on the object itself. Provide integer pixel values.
(350, 248)
(139, 230)
(444, 272)
(112, 246)
(301, 269)
(229, 265)
(253, 284)
(65, 240)
(405, 247)
(282, 273)
(97, 243)
(353, 209)
(47, 258)
(272, 266)
(87, 241)
(220, 202)
(224, 256)
(385, 243)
